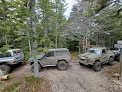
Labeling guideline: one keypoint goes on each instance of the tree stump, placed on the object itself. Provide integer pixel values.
(121, 67)
(36, 70)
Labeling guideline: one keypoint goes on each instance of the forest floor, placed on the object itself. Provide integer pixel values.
(77, 78)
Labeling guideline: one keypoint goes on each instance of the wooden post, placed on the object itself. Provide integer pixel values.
(36, 70)
(1, 74)
(121, 67)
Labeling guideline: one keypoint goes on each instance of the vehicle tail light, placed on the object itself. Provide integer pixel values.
(14, 62)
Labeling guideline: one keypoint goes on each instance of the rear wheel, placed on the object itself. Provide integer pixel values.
(32, 67)
(80, 63)
(118, 58)
(62, 65)
(5, 68)
(97, 66)
(111, 61)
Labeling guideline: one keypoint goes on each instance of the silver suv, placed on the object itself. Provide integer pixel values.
(54, 57)
(10, 57)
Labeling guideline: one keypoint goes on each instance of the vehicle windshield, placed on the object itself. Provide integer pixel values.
(94, 51)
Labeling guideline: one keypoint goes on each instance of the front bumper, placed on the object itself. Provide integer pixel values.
(85, 62)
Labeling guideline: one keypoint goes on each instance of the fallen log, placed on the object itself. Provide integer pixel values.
(4, 77)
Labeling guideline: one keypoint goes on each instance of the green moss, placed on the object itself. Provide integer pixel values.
(32, 79)
(33, 83)
(75, 55)
(1, 87)
(12, 86)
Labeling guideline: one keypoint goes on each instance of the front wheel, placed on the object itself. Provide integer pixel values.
(32, 67)
(5, 68)
(97, 66)
(111, 61)
(62, 65)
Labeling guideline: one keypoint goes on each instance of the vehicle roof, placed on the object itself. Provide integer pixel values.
(99, 48)
(12, 50)
(58, 49)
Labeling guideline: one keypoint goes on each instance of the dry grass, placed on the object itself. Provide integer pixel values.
(112, 70)
(74, 55)
(12, 86)
(26, 84)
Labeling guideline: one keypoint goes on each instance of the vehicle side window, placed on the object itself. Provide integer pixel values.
(62, 53)
(8, 54)
(50, 54)
(1, 55)
(103, 51)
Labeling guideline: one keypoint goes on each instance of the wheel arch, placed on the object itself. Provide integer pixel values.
(97, 60)
(61, 60)
(33, 63)
(4, 63)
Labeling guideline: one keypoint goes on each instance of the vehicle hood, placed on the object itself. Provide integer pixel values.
(89, 55)
(39, 57)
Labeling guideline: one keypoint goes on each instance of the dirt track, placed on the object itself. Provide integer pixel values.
(75, 79)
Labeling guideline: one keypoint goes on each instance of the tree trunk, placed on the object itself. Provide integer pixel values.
(56, 24)
(29, 43)
(6, 39)
(120, 67)
(33, 21)
(28, 33)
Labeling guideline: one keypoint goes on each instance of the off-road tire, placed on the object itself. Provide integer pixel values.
(111, 61)
(19, 64)
(62, 65)
(5, 68)
(118, 58)
(97, 66)
(80, 63)
(32, 67)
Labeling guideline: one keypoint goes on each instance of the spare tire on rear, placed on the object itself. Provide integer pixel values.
(62, 65)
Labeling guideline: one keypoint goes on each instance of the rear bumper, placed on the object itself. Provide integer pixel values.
(14, 62)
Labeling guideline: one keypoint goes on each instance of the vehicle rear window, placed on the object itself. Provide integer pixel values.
(18, 52)
(62, 53)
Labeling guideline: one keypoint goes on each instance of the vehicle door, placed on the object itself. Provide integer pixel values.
(104, 56)
(8, 56)
(49, 59)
